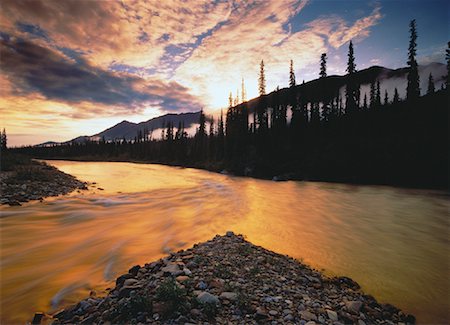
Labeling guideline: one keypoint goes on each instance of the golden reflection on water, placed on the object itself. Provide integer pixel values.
(394, 242)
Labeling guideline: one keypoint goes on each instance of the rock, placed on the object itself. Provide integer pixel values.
(261, 313)
(288, 317)
(273, 312)
(187, 271)
(307, 315)
(172, 269)
(311, 323)
(182, 278)
(134, 270)
(202, 285)
(361, 322)
(332, 315)
(230, 234)
(207, 298)
(130, 282)
(353, 306)
(121, 279)
(125, 291)
(229, 296)
(37, 318)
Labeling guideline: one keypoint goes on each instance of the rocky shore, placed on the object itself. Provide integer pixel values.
(228, 280)
(35, 181)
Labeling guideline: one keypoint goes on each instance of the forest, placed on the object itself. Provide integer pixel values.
(316, 131)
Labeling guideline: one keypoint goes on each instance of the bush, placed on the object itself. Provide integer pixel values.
(172, 296)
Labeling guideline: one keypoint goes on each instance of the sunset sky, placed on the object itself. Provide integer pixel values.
(72, 68)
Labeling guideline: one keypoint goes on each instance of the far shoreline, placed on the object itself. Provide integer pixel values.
(275, 178)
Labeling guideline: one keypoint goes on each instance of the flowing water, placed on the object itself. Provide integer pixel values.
(393, 242)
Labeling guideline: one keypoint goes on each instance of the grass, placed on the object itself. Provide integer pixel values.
(172, 296)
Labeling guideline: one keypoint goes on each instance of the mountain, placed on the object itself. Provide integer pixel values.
(129, 130)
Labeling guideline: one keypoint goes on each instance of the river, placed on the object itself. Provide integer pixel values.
(394, 242)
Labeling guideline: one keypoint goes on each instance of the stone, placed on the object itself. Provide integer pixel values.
(307, 315)
(332, 315)
(182, 278)
(134, 270)
(172, 269)
(230, 234)
(202, 285)
(261, 313)
(130, 282)
(229, 296)
(311, 323)
(353, 306)
(37, 319)
(207, 298)
(273, 312)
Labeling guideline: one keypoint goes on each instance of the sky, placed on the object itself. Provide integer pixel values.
(76, 67)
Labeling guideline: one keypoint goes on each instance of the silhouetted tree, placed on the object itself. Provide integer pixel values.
(378, 95)
(396, 97)
(365, 102)
(372, 94)
(447, 58)
(413, 88)
(243, 91)
(352, 88)
(3, 140)
(323, 65)
(291, 75)
(262, 79)
(386, 97)
(430, 88)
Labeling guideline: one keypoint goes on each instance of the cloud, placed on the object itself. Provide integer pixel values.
(37, 69)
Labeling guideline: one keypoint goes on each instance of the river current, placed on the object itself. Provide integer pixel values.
(394, 242)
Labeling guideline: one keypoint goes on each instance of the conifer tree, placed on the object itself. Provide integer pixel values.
(378, 94)
(352, 88)
(262, 79)
(396, 98)
(3, 140)
(243, 91)
(230, 100)
(291, 75)
(447, 58)
(430, 89)
(372, 94)
(386, 97)
(323, 65)
(413, 88)
(365, 102)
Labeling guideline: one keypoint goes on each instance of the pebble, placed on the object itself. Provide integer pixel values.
(207, 298)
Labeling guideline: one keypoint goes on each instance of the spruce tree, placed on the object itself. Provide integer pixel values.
(262, 80)
(386, 97)
(352, 88)
(430, 89)
(291, 75)
(365, 101)
(378, 94)
(372, 94)
(447, 57)
(396, 98)
(413, 88)
(243, 92)
(323, 65)
(3, 140)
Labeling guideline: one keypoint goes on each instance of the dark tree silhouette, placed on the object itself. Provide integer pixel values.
(243, 91)
(396, 98)
(365, 102)
(386, 97)
(447, 58)
(372, 94)
(262, 79)
(352, 89)
(291, 75)
(413, 88)
(3, 140)
(430, 88)
(323, 65)
(378, 95)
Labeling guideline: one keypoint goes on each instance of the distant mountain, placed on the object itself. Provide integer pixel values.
(129, 130)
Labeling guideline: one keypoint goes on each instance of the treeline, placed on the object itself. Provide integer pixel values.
(315, 132)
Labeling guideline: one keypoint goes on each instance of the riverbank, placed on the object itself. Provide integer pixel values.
(27, 180)
(229, 280)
